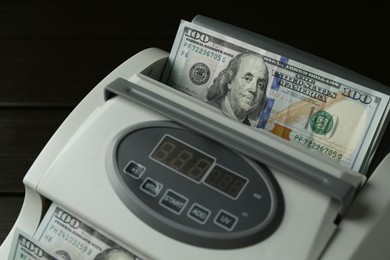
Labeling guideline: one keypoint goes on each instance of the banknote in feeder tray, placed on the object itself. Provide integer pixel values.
(320, 111)
(67, 237)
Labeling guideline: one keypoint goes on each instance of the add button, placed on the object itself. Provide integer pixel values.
(199, 213)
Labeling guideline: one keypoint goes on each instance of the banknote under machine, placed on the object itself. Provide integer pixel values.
(67, 237)
(324, 113)
(24, 247)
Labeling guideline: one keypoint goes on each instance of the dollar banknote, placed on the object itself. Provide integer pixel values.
(324, 113)
(24, 247)
(69, 238)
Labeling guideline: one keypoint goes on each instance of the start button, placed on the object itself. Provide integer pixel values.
(173, 201)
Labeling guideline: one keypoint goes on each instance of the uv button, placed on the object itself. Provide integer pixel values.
(225, 220)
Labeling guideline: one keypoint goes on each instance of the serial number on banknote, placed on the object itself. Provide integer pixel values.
(319, 147)
(202, 51)
(77, 243)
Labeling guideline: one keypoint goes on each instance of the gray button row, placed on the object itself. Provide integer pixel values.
(176, 203)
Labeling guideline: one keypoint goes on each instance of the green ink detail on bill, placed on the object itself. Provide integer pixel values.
(321, 122)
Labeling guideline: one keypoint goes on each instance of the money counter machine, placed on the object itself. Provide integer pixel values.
(229, 191)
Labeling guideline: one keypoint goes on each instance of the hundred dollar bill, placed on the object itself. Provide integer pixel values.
(69, 238)
(25, 248)
(322, 112)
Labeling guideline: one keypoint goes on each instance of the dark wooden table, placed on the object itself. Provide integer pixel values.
(53, 54)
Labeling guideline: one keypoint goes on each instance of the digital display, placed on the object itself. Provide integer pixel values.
(194, 164)
(225, 181)
(182, 158)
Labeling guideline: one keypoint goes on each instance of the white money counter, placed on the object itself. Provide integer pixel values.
(105, 164)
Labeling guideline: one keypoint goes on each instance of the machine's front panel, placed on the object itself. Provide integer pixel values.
(194, 189)
(113, 176)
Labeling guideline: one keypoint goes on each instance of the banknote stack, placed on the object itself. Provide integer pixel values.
(63, 236)
(324, 113)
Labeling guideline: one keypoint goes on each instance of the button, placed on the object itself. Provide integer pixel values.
(198, 213)
(173, 201)
(151, 187)
(134, 169)
(225, 220)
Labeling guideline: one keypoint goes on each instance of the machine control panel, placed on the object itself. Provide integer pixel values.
(193, 189)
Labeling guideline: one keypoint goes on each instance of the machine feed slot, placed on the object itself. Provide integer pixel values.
(337, 188)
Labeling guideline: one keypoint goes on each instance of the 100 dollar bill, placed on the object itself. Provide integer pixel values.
(69, 238)
(320, 111)
(25, 247)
